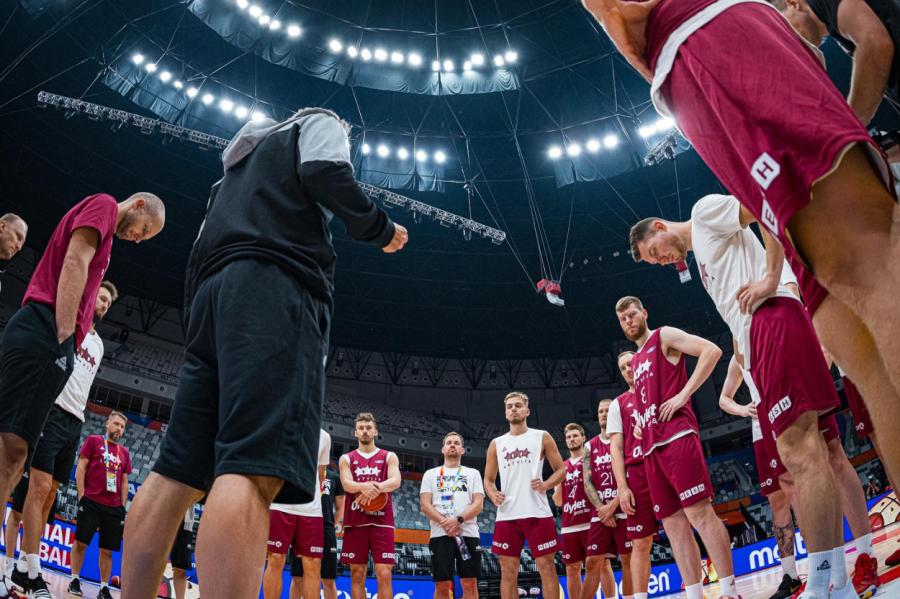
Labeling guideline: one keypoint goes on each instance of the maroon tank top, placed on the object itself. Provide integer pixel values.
(371, 469)
(576, 509)
(631, 415)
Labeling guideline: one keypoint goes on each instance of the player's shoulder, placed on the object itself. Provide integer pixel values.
(709, 202)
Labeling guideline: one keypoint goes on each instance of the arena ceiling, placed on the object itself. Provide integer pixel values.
(557, 83)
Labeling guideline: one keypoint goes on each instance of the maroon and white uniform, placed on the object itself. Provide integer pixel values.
(366, 531)
(624, 414)
(769, 466)
(603, 539)
(525, 513)
(730, 105)
(576, 513)
(673, 458)
(858, 409)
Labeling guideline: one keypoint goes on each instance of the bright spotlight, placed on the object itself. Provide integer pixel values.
(241, 112)
(414, 59)
(178, 84)
(137, 58)
(499, 61)
(402, 153)
(165, 76)
(208, 99)
(383, 151)
(192, 91)
(381, 54)
(365, 54)
(226, 105)
(257, 116)
(397, 57)
(440, 157)
(366, 149)
(352, 52)
(294, 31)
(335, 45)
(467, 66)
(611, 141)
(421, 155)
(664, 124)
(435, 65)
(477, 59)
(646, 131)
(593, 146)
(511, 56)
(151, 68)
(554, 152)
(448, 65)
(573, 150)
(275, 25)
(255, 11)
(264, 20)
(243, 4)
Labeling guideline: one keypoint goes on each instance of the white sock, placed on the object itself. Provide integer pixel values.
(34, 564)
(789, 565)
(694, 591)
(864, 545)
(819, 573)
(8, 564)
(838, 568)
(103, 585)
(640, 596)
(21, 566)
(727, 587)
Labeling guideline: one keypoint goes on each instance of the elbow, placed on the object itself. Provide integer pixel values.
(715, 353)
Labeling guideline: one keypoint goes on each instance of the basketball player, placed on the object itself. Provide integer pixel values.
(576, 518)
(37, 352)
(13, 231)
(670, 441)
(632, 489)
(811, 176)
(259, 357)
(608, 534)
(523, 512)
(299, 526)
(451, 497)
(779, 347)
(366, 473)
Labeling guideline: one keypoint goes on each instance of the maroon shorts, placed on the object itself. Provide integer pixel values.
(787, 364)
(828, 426)
(678, 475)
(608, 541)
(643, 523)
(768, 466)
(510, 537)
(768, 123)
(575, 546)
(360, 540)
(858, 409)
(306, 534)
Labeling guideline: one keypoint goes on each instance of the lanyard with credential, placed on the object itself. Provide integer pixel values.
(111, 480)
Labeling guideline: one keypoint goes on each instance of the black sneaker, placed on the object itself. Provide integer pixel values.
(75, 588)
(787, 588)
(18, 580)
(37, 588)
(104, 593)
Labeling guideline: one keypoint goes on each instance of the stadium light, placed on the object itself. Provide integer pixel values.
(573, 150)
(511, 56)
(448, 65)
(421, 155)
(151, 67)
(294, 31)
(611, 141)
(402, 153)
(366, 149)
(554, 152)
(397, 57)
(335, 45)
(435, 65)
(208, 99)
(383, 151)
(381, 54)
(192, 91)
(477, 59)
(365, 54)
(137, 58)
(593, 146)
(165, 76)
(226, 105)
(440, 157)
(352, 52)
(414, 59)
(499, 61)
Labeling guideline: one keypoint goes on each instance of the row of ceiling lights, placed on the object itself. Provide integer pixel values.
(573, 149)
(383, 151)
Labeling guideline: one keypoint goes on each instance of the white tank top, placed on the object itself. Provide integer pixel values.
(520, 461)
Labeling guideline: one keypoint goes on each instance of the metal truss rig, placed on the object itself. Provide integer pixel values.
(206, 141)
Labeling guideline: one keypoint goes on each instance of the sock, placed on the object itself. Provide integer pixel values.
(694, 591)
(627, 596)
(21, 566)
(34, 564)
(726, 586)
(8, 564)
(789, 565)
(640, 596)
(838, 568)
(819, 573)
(103, 585)
(864, 545)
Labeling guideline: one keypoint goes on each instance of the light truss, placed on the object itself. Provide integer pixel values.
(149, 126)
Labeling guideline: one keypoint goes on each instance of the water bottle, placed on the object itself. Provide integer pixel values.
(463, 549)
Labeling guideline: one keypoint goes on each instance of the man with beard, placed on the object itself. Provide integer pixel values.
(56, 449)
(608, 536)
(576, 518)
(523, 512)
(670, 440)
(369, 475)
(633, 490)
(451, 497)
(102, 480)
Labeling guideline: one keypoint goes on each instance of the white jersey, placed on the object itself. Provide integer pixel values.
(313, 509)
(520, 461)
(729, 255)
(74, 395)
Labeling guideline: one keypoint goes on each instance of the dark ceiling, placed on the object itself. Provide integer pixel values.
(443, 295)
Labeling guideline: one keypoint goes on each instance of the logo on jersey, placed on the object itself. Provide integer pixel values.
(695, 490)
(774, 463)
(500, 545)
(602, 460)
(642, 368)
(516, 455)
(575, 507)
(765, 170)
(546, 545)
(573, 475)
(366, 471)
(780, 408)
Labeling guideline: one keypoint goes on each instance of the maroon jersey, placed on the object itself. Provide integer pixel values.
(656, 380)
(666, 18)
(601, 469)
(368, 469)
(631, 416)
(576, 509)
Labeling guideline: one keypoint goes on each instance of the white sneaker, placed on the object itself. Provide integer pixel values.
(847, 592)
(4, 590)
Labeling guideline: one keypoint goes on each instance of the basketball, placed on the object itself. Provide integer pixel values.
(376, 504)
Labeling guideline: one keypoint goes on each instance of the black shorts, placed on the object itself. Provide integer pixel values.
(34, 369)
(250, 396)
(182, 554)
(21, 491)
(56, 449)
(109, 520)
(329, 557)
(445, 554)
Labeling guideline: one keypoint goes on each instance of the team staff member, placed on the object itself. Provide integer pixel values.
(102, 480)
(451, 497)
